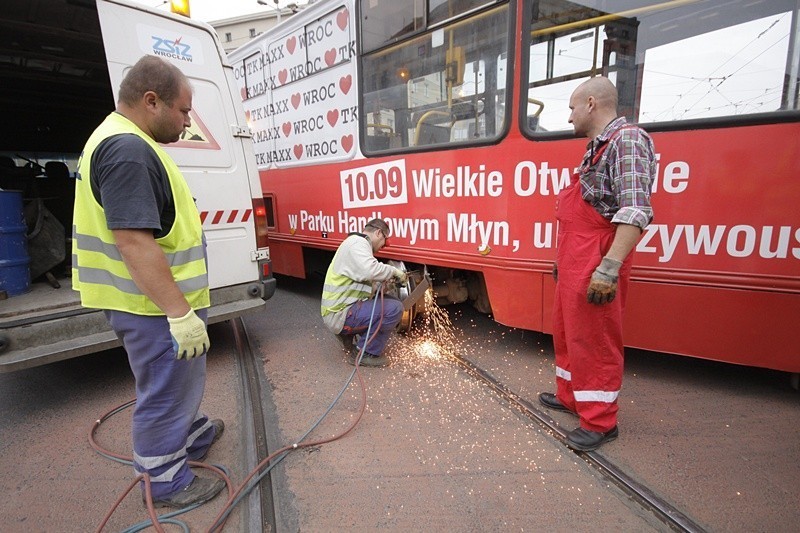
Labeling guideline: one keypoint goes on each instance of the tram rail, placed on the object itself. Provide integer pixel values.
(638, 493)
(262, 507)
(261, 504)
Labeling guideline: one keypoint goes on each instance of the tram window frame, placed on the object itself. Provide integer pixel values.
(370, 11)
(501, 91)
(256, 56)
(630, 107)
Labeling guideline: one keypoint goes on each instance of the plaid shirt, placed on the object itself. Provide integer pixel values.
(619, 185)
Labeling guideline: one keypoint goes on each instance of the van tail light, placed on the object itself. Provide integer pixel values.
(260, 212)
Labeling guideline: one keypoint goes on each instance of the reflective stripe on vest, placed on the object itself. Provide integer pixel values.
(99, 273)
(340, 292)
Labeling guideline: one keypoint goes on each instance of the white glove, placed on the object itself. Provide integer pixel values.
(400, 276)
(189, 335)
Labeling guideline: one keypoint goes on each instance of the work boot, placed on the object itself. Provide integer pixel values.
(219, 427)
(368, 359)
(549, 400)
(346, 340)
(199, 491)
(586, 441)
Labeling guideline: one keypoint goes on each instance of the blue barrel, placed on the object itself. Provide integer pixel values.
(15, 275)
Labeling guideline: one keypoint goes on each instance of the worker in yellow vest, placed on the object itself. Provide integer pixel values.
(362, 325)
(139, 254)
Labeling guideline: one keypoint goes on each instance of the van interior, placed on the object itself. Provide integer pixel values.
(54, 90)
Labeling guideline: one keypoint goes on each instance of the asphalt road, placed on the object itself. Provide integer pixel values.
(435, 450)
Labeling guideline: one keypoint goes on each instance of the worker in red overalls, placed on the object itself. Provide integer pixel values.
(601, 216)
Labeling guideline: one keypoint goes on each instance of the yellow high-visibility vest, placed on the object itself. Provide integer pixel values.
(340, 292)
(98, 272)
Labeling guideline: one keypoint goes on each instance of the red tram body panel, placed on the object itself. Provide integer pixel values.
(717, 273)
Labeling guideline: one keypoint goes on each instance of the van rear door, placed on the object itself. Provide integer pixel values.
(215, 154)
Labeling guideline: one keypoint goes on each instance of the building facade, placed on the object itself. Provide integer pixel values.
(236, 31)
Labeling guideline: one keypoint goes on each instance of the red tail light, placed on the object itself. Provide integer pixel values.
(260, 212)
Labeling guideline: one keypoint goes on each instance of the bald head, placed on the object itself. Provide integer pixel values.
(602, 90)
(593, 105)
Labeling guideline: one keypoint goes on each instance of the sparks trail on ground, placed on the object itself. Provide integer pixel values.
(456, 425)
(431, 340)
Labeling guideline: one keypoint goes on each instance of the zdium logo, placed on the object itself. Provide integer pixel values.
(174, 49)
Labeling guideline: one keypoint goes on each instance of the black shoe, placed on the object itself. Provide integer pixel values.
(586, 441)
(200, 490)
(368, 359)
(219, 427)
(549, 400)
(346, 340)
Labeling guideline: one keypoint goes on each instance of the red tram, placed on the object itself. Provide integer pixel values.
(448, 118)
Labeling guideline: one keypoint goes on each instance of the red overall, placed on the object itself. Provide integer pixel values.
(587, 337)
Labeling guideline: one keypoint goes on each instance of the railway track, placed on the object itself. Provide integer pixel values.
(263, 515)
(260, 507)
(643, 496)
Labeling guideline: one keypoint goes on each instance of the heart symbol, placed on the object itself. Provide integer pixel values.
(347, 142)
(345, 83)
(298, 151)
(244, 93)
(291, 42)
(341, 19)
(292, 230)
(247, 115)
(333, 117)
(296, 100)
(282, 75)
(330, 57)
(287, 128)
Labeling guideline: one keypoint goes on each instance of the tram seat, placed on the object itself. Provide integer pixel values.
(466, 110)
(377, 142)
(432, 134)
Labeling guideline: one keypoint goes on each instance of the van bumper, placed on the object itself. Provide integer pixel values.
(72, 331)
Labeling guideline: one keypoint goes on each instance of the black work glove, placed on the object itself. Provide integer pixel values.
(603, 285)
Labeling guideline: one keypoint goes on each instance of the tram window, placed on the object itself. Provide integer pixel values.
(252, 69)
(670, 62)
(442, 87)
(386, 21)
(441, 10)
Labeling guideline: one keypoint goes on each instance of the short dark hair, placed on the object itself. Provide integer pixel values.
(377, 223)
(152, 73)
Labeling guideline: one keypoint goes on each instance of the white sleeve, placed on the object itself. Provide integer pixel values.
(357, 262)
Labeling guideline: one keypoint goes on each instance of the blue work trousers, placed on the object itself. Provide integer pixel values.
(388, 312)
(167, 426)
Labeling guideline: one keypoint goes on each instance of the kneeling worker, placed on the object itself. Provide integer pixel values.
(346, 306)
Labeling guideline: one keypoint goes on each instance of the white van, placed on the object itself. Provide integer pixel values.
(60, 68)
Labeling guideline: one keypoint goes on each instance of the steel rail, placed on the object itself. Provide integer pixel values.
(261, 506)
(642, 495)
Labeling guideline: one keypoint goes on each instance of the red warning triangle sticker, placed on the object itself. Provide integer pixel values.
(196, 135)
